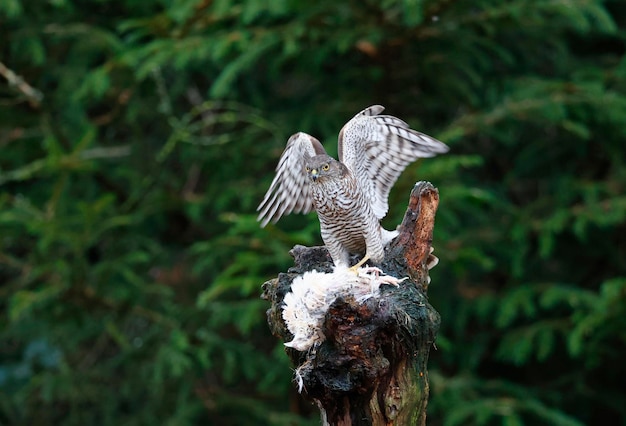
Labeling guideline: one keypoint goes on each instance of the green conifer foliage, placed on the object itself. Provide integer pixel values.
(137, 138)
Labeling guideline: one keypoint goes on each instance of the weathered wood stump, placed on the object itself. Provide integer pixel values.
(371, 367)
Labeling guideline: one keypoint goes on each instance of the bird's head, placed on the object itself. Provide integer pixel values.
(323, 167)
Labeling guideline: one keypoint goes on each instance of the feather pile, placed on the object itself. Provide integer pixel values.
(313, 292)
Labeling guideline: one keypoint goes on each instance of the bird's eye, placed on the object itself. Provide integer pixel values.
(325, 167)
(308, 169)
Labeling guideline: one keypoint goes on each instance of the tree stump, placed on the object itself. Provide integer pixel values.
(371, 367)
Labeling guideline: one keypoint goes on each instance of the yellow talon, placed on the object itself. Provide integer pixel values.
(359, 264)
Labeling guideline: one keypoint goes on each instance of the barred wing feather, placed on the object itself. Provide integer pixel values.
(289, 191)
(377, 148)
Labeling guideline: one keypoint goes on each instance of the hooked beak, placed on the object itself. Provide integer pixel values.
(314, 174)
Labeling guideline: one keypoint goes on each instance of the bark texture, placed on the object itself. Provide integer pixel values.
(371, 367)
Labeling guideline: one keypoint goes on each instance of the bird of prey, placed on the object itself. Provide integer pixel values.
(349, 195)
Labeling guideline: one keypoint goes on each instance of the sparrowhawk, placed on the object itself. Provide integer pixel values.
(349, 195)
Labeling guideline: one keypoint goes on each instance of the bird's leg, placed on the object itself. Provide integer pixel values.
(360, 263)
(339, 254)
(374, 248)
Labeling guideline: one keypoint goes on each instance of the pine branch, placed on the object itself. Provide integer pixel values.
(33, 95)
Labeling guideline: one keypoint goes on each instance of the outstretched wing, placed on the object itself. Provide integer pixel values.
(289, 191)
(377, 148)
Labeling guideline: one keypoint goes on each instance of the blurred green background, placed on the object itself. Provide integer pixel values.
(137, 138)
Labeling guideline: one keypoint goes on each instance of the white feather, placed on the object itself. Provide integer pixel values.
(313, 292)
